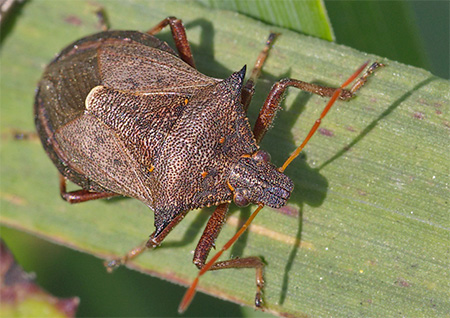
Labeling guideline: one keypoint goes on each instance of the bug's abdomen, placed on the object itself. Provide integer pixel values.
(133, 62)
(60, 99)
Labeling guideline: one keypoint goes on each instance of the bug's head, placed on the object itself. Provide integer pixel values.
(254, 179)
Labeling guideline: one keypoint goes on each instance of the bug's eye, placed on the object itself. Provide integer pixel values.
(240, 199)
(261, 155)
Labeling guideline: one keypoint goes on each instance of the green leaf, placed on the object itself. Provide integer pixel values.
(366, 231)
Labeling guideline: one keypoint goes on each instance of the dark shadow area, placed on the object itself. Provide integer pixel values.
(237, 250)
(310, 186)
(291, 258)
(198, 225)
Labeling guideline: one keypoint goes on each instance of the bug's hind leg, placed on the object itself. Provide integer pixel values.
(176, 26)
(81, 195)
(206, 242)
(246, 262)
(179, 36)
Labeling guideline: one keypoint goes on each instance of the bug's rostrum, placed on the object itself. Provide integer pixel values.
(256, 180)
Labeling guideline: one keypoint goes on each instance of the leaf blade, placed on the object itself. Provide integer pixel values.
(350, 201)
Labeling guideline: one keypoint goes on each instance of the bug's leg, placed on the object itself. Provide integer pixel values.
(271, 105)
(249, 88)
(81, 195)
(247, 262)
(25, 135)
(363, 79)
(210, 234)
(212, 264)
(206, 242)
(154, 241)
(179, 36)
(102, 19)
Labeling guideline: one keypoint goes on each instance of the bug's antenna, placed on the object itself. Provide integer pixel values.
(316, 125)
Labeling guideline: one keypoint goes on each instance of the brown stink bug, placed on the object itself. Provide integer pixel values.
(120, 113)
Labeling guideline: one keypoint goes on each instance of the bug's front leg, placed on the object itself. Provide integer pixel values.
(249, 88)
(179, 36)
(206, 242)
(271, 105)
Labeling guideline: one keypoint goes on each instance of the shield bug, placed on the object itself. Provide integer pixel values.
(121, 113)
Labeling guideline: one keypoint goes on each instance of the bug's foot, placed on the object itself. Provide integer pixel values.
(111, 265)
(259, 303)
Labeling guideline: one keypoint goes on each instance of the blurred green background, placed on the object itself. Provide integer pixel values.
(412, 32)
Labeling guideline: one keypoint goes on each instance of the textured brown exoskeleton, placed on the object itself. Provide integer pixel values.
(120, 113)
